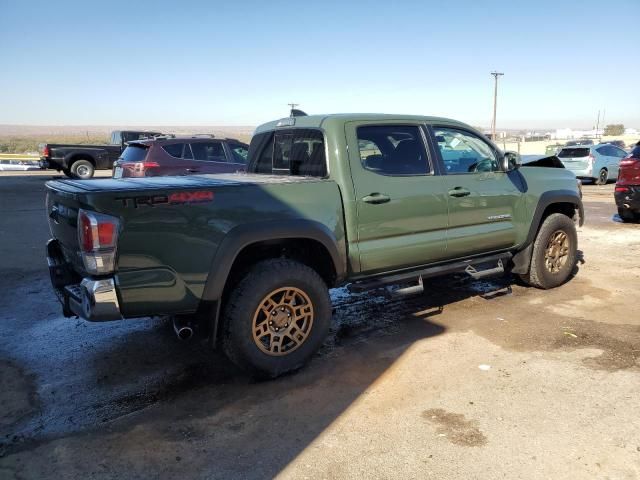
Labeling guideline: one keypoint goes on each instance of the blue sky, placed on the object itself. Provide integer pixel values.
(241, 62)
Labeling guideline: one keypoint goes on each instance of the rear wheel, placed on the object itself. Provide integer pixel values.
(554, 252)
(276, 318)
(82, 169)
(603, 177)
(627, 215)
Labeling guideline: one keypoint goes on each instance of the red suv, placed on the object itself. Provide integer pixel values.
(627, 193)
(171, 155)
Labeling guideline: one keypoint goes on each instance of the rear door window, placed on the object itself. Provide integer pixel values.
(175, 149)
(574, 153)
(393, 150)
(187, 154)
(208, 151)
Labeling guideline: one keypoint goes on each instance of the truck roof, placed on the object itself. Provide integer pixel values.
(321, 121)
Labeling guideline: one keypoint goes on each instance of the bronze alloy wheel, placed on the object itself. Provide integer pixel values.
(557, 251)
(283, 320)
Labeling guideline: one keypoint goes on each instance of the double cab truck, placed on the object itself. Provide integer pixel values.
(246, 260)
(81, 161)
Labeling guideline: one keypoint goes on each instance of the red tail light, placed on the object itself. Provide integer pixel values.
(98, 236)
(46, 152)
(622, 189)
(141, 166)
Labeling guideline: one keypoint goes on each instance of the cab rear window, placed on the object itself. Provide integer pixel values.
(298, 152)
(574, 152)
(134, 153)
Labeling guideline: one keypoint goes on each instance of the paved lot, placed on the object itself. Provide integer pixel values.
(470, 380)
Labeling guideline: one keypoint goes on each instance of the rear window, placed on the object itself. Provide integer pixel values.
(298, 152)
(573, 152)
(175, 150)
(134, 153)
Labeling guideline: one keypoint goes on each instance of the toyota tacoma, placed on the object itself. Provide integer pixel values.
(247, 259)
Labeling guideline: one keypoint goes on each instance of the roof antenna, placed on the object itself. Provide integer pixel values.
(294, 111)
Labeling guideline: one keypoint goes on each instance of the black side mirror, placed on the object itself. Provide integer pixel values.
(510, 161)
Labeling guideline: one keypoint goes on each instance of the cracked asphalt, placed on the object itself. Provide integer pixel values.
(472, 379)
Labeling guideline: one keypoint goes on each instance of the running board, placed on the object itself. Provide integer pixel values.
(470, 266)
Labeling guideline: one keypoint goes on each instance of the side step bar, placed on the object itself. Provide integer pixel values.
(471, 267)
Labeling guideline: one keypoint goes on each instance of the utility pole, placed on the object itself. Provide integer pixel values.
(292, 105)
(597, 124)
(495, 103)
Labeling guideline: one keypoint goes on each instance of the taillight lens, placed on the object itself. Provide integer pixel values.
(622, 189)
(592, 158)
(142, 166)
(98, 236)
(46, 151)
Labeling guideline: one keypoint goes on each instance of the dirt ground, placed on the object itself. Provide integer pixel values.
(472, 379)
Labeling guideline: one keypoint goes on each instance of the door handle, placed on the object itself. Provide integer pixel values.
(376, 198)
(459, 192)
(192, 170)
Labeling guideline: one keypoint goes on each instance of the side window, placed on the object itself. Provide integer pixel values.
(239, 152)
(175, 149)
(618, 152)
(208, 151)
(187, 154)
(464, 152)
(289, 152)
(392, 150)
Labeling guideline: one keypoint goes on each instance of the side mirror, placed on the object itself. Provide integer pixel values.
(510, 161)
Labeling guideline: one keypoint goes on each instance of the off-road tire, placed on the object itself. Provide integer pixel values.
(244, 303)
(627, 215)
(603, 177)
(539, 275)
(82, 169)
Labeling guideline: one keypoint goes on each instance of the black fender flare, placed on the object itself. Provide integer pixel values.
(522, 259)
(246, 234)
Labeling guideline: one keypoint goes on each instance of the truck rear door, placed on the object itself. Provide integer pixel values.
(401, 203)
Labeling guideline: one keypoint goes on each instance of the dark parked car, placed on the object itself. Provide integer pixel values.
(616, 143)
(173, 155)
(582, 141)
(81, 161)
(627, 192)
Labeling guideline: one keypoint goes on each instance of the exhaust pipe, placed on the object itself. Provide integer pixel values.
(183, 329)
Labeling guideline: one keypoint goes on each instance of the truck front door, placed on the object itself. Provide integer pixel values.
(401, 204)
(482, 197)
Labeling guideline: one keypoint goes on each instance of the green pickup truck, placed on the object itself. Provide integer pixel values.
(247, 259)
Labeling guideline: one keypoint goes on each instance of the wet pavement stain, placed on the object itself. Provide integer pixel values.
(455, 427)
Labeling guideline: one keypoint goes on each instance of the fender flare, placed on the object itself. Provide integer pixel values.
(83, 156)
(522, 259)
(246, 234)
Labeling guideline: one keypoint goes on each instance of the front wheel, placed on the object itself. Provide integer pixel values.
(276, 318)
(603, 177)
(554, 252)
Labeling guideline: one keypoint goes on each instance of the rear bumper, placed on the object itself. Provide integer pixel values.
(95, 300)
(630, 199)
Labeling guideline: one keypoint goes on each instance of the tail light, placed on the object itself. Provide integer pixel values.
(98, 238)
(142, 166)
(592, 158)
(46, 151)
(622, 189)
